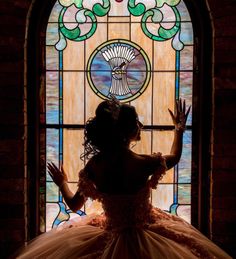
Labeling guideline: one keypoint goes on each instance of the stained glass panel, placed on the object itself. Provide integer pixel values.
(184, 191)
(73, 57)
(73, 97)
(164, 96)
(185, 90)
(52, 192)
(118, 30)
(52, 34)
(162, 141)
(184, 166)
(162, 197)
(184, 211)
(72, 149)
(186, 58)
(52, 58)
(52, 146)
(186, 35)
(92, 101)
(52, 210)
(119, 68)
(164, 56)
(144, 146)
(143, 105)
(119, 9)
(183, 11)
(145, 42)
(79, 74)
(55, 13)
(52, 97)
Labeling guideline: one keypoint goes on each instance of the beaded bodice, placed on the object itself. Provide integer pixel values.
(124, 210)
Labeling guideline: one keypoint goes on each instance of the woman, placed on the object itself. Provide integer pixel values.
(122, 180)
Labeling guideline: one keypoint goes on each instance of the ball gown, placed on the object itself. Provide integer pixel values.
(129, 228)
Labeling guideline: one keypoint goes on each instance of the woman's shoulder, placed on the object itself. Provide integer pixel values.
(154, 158)
(91, 165)
(93, 160)
(153, 162)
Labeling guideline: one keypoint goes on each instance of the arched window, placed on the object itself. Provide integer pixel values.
(140, 51)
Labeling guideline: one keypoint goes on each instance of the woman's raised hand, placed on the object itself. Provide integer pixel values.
(180, 117)
(58, 175)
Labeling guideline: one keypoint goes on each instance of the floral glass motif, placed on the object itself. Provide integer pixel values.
(93, 46)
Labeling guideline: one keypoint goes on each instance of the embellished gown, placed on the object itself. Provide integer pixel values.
(130, 228)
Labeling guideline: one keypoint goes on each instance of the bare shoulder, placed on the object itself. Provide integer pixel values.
(91, 165)
(150, 162)
(91, 161)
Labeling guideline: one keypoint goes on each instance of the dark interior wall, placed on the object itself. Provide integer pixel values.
(13, 125)
(223, 152)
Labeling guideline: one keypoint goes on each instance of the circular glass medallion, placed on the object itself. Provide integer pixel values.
(120, 68)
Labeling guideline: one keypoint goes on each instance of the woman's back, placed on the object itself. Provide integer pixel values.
(130, 226)
(120, 171)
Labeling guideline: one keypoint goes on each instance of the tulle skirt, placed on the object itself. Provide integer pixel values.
(169, 237)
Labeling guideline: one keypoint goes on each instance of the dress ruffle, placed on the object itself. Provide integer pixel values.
(129, 228)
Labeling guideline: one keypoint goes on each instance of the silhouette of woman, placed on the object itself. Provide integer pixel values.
(122, 180)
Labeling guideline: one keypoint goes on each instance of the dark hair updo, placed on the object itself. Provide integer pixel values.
(113, 126)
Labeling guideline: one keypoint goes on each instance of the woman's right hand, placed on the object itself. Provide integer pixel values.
(58, 175)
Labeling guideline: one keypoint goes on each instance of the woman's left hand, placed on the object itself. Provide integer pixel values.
(180, 117)
(58, 175)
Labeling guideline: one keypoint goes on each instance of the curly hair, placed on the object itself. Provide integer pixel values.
(113, 126)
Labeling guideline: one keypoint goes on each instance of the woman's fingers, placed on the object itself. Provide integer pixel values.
(49, 167)
(180, 105)
(56, 168)
(184, 106)
(63, 172)
(52, 176)
(55, 172)
(62, 169)
(186, 115)
(171, 114)
(180, 111)
(52, 168)
(176, 107)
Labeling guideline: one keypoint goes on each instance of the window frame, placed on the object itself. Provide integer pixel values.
(201, 123)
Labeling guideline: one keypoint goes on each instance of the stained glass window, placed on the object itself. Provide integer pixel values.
(119, 68)
(139, 51)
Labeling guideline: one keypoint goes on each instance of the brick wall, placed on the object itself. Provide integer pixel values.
(13, 132)
(12, 125)
(223, 210)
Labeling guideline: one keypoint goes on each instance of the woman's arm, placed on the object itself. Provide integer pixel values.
(179, 119)
(176, 150)
(74, 201)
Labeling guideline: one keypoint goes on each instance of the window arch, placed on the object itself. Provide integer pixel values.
(169, 57)
(153, 40)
